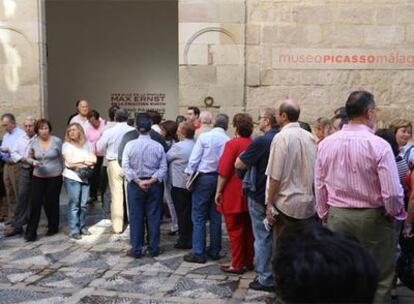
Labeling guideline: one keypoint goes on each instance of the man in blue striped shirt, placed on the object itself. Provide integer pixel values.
(145, 166)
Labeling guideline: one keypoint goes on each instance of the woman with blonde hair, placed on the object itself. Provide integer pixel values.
(322, 128)
(403, 131)
(79, 162)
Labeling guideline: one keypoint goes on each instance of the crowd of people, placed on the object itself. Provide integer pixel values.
(275, 191)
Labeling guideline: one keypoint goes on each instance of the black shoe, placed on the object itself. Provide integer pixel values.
(179, 246)
(85, 231)
(51, 232)
(214, 257)
(191, 258)
(76, 236)
(256, 285)
(172, 233)
(30, 238)
(149, 253)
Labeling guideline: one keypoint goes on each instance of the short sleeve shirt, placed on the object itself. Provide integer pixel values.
(292, 163)
(76, 155)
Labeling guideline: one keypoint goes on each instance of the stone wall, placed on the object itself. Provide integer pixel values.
(22, 64)
(212, 54)
(365, 25)
(225, 51)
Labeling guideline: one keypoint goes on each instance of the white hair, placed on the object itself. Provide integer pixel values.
(206, 118)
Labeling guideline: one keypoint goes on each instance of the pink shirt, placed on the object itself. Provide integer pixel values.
(93, 135)
(357, 169)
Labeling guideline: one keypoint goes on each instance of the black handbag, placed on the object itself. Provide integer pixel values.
(405, 263)
(84, 173)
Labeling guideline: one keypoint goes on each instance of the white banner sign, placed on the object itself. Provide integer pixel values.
(352, 59)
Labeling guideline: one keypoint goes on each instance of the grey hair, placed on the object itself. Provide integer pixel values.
(9, 116)
(222, 121)
(30, 118)
(121, 115)
(206, 117)
(270, 114)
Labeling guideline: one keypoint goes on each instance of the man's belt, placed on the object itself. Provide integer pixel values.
(207, 173)
(10, 163)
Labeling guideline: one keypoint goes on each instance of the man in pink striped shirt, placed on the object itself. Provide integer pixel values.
(358, 192)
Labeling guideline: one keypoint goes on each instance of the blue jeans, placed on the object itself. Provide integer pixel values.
(143, 204)
(78, 194)
(262, 243)
(203, 209)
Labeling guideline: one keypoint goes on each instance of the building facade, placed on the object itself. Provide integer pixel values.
(247, 54)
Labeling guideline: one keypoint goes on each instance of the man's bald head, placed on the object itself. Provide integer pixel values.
(291, 108)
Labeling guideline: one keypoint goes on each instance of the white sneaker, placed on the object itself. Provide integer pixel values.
(105, 223)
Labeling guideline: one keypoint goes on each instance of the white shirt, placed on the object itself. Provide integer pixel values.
(207, 151)
(22, 148)
(84, 123)
(407, 155)
(9, 141)
(156, 128)
(74, 154)
(109, 142)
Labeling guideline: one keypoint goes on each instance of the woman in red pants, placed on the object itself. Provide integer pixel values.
(230, 199)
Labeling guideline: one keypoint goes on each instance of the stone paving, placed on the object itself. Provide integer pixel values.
(95, 270)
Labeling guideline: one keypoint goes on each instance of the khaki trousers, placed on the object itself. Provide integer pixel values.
(11, 182)
(116, 184)
(376, 233)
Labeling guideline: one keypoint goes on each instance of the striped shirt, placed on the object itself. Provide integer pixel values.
(356, 169)
(403, 169)
(143, 158)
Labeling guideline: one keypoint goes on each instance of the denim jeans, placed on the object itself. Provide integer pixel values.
(143, 204)
(78, 194)
(262, 243)
(203, 209)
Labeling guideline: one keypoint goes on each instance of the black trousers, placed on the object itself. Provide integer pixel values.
(44, 191)
(95, 179)
(182, 203)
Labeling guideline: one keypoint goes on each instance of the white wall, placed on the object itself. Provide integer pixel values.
(96, 48)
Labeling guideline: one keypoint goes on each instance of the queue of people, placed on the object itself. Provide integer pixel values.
(341, 175)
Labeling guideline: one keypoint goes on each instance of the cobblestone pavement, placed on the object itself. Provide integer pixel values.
(95, 270)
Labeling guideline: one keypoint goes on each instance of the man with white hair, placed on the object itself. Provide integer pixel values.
(206, 119)
(204, 159)
(21, 155)
(81, 118)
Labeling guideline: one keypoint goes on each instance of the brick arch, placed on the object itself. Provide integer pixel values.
(204, 31)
